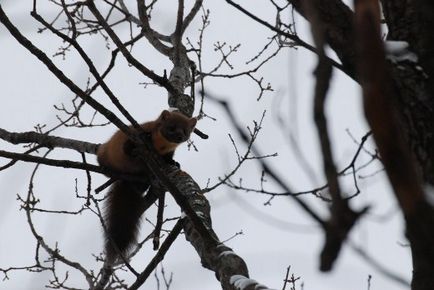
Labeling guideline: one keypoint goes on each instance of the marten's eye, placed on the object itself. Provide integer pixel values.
(171, 128)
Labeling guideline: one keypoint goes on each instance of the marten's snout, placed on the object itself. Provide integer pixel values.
(175, 135)
(178, 137)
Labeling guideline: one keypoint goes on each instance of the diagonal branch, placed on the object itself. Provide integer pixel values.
(152, 35)
(342, 217)
(337, 21)
(230, 269)
(88, 61)
(293, 37)
(191, 14)
(174, 233)
(58, 73)
(265, 166)
(129, 57)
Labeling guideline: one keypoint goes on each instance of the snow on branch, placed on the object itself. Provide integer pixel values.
(243, 283)
(397, 51)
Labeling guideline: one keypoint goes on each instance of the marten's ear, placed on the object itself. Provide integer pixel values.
(165, 115)
(192, 122)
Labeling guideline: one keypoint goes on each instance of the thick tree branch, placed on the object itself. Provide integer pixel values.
(412, 85)
(412, 21)
(407, 21)
(229, 267)
(380, 110)
(381, 115)
(323, 74)
(198, 228)
(47, 141)
(177, 35)
(337, 20)
(342, 217)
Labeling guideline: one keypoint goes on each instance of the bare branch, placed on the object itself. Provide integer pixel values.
(54, 253)
(174, 233)
(342, 217)
(177, 35)
(293, 37)
(131, 59)
(89, 63)
(265, 166)
(152, 35)
(377, 266)
(51, 162)
(337, 19)
(58, 73)
(191, 14)
(47, 141)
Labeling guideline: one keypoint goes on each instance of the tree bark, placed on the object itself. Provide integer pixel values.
(380, 110)
(412, 93)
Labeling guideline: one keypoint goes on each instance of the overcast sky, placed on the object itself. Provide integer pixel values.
(275, 236)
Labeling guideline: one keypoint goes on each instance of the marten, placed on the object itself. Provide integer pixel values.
(127, 200)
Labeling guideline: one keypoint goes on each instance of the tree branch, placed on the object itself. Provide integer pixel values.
(214, 255)
(174, 233)
(58, 73)
(337, 19)
(265, 166)
(52, 162)
(129, 57)
(152, 36)
(293, 37)
(342, 217)
(47, 141)
(381, 115)
(191, 14)
(88, 61)
(177, 35)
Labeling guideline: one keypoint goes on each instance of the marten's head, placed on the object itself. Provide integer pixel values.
(176, 127)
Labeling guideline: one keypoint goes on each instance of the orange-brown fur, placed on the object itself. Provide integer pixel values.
(112, 155)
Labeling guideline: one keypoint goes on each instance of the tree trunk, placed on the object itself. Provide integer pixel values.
(412, 91)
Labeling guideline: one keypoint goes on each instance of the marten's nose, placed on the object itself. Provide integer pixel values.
(178, 137)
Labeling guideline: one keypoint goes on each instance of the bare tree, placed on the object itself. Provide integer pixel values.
(398, 104)
(74, 21)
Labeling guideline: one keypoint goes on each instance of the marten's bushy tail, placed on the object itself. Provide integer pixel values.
(124, 206)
